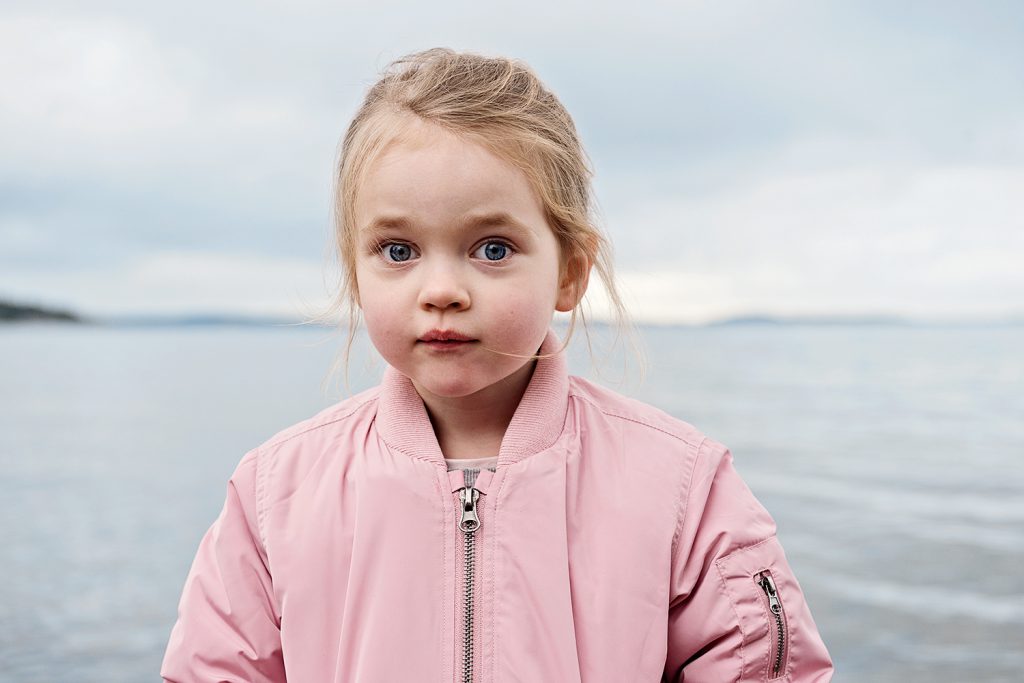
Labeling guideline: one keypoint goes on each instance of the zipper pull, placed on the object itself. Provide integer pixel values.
(469, 522)
(768, 586)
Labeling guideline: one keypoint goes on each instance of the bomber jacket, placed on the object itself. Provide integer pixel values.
(612, 542)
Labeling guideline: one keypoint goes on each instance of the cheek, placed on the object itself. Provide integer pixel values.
(385, 332)
(370, 288)
(380, 312)
(527, 313)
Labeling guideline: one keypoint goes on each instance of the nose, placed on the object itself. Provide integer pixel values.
(443, 289)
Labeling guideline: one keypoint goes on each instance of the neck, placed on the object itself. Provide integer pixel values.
(473, 426)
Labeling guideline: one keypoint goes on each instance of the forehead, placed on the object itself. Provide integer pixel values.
(431, 175)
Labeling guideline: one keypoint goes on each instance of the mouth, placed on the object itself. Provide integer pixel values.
(445, 338)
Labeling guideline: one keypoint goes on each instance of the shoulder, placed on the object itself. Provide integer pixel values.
(642, 426)
(340, 417)
(682, 456)
(641, 417)
(279, 464)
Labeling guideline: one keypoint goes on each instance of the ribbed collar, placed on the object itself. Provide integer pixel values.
(403, 423)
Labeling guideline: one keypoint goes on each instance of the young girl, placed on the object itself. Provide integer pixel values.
(481, 515)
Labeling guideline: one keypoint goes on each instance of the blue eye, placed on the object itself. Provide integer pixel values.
(397, 252)
(493, 251)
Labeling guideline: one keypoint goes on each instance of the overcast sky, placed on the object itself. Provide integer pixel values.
(751, 157)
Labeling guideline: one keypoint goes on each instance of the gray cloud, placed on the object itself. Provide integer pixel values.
(795, 140)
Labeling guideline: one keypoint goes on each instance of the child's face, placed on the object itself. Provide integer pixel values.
(434, 266)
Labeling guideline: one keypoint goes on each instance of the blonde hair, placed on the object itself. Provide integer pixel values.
(501, 104)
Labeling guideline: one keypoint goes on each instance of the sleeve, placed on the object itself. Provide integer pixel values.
(736, 611)
(228, 628)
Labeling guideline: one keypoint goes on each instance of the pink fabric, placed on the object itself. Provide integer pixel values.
(617, 543)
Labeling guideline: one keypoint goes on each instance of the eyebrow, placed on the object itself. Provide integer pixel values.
(486, 220)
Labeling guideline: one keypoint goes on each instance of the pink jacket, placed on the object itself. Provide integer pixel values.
(612, 543)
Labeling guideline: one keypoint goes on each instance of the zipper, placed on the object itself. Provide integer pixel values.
(779, 641)
(469, 524)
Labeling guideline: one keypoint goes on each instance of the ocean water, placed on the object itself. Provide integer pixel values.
(892, 459)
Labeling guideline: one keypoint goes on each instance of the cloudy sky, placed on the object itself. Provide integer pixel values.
(751, 157)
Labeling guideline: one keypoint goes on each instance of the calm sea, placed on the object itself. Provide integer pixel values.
(891, 457)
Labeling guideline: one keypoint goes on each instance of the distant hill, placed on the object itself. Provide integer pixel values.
(195, 320)
(10, 312)
(865, 320)
(18, 312)
(815, 320)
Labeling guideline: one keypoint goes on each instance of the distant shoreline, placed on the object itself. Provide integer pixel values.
(11, 312)
(21, 313)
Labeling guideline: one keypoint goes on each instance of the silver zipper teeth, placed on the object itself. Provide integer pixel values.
(764, 580)
(469, 524)
(467, 612)
(781, 643)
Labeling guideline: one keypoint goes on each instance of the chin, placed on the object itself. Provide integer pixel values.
(449, 387)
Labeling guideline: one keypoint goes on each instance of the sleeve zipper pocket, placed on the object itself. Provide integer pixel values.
(776, 627)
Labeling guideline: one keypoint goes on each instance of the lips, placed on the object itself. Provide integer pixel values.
(444, 340)
(445, 337)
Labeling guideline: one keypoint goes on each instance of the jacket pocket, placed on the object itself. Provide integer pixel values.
(779, 639)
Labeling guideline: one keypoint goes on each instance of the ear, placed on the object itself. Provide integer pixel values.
(574, 279)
